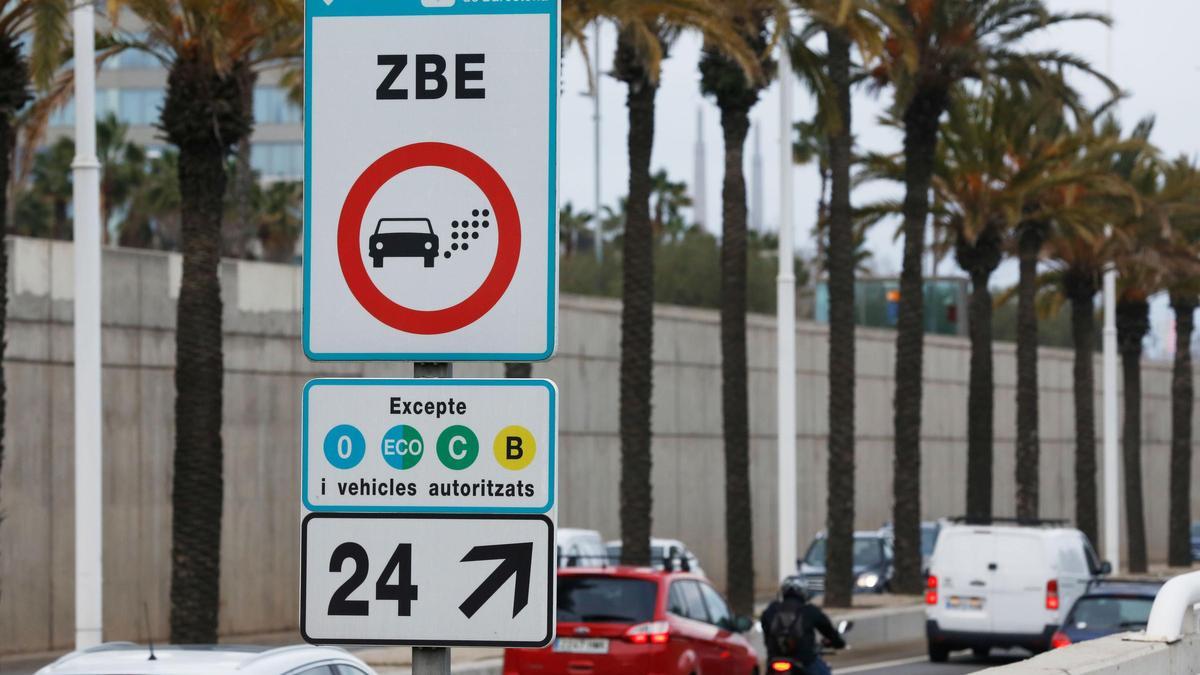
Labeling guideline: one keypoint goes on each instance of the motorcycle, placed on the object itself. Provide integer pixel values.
(794, 667)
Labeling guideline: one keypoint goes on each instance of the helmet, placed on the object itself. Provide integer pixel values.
(794, 587)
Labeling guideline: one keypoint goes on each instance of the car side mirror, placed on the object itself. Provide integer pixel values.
(742, 624)
(1105, 568)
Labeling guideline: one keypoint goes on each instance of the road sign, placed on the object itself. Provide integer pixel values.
(427, 579)
(430, 511)
(430, 168)
(429, 446)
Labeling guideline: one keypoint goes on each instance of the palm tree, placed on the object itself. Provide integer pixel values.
(206, 46)
(1078, 258)
(1183, 287)
(1144, 261)
(829, 139)
(736, 93)
(123, 166)
(645, 32)
(43, 22)
(933, 45)
(574, 228)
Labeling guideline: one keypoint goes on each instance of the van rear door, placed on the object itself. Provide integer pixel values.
(960, 562)
(1019, 571)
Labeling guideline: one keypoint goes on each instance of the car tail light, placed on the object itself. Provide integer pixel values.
(781, 666)
(931, 590)
(1059, 640)
(655, 633)
(1052, 594)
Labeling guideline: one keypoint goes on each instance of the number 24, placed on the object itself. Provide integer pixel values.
(403, 592)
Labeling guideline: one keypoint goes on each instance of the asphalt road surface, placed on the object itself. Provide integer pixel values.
(911, 659)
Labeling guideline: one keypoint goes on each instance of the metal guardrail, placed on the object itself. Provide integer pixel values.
(1171, 606)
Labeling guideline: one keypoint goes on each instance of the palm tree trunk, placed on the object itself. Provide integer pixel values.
(735, 406)
(920, 146)
(7, 138)
(1182, 399)
(1081, 290)
(1133, 322)
(1028, 448)
(979, 259)
(201, 117)
(839, 555)
(198, 486)
(637, 315)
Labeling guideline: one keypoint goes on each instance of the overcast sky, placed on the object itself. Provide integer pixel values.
(1154, 58)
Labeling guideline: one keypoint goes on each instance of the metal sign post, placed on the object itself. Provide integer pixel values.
(431, 660)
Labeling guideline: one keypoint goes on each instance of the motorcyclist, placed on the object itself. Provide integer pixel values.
(790, 624)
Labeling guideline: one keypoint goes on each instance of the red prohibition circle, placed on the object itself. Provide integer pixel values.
(508, 249)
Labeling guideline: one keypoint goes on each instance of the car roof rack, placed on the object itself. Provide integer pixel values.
(1001, 520)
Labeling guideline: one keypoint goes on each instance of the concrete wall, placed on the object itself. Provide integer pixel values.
(265, 370)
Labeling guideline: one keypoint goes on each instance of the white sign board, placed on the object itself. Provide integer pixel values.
(446, 580)
(430, 173)
(429, 512)
(429, 446)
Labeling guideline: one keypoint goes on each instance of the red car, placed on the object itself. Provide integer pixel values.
(639, 620)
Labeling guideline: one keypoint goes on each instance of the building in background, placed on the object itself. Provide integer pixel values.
(877, 304)
(132, 86)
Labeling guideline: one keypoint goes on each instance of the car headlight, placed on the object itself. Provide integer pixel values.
(868, 580)
(428, 245)
(379, 246)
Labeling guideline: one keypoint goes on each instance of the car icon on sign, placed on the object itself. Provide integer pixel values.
(403, 238)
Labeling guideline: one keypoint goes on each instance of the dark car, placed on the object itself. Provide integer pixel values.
(1195, 541)
(1108, 607)
(403, 238)
(872, 563)
(929, 537)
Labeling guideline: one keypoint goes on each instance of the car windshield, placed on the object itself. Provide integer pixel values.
(404, 226)
(1102, 613)
(867, 552)
(1196, 530)
(605, 599)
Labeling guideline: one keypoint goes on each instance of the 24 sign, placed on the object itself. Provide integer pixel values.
(390, 579)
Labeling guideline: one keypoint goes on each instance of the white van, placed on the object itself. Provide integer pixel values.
(1004, 584)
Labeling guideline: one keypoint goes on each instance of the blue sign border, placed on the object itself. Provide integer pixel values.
(549, 385)
(353, 8)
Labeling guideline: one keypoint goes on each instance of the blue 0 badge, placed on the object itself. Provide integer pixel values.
(345, 447)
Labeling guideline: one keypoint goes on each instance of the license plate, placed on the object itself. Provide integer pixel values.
(956, 602)
(581, 645)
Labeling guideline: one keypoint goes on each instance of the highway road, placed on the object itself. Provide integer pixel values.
(911, 659)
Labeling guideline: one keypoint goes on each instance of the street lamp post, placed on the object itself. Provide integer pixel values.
(786, 309)
(88, 460)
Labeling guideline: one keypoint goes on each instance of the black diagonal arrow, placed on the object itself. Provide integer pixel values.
(516, 560)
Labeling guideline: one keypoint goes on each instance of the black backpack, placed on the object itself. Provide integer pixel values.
(786, 629)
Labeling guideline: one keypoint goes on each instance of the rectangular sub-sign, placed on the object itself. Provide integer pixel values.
(429, 446)
(427, 579)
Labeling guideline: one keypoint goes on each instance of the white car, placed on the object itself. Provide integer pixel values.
(664, 552)
(1004, 584)
(126, 658)
(581, 548)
